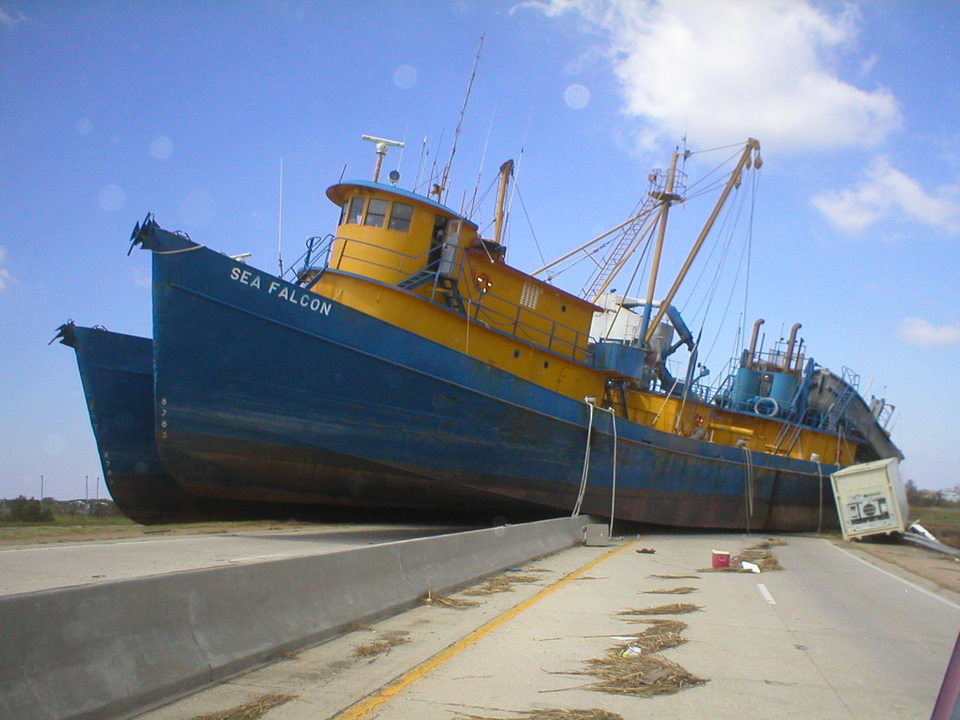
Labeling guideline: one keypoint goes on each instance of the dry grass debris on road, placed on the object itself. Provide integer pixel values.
(500, 583)
(552, 714)
(682, 590)
(661, 635)
(675, 577)
(252, 710)
(639, 675)
(671, 609)
(760, 555)
(635, 667)
(382, 645)
(433, 599)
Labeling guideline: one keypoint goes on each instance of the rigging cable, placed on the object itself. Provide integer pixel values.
(731, 218)
(423, 153)
(633, 277)
(736, 277)
(530, 225)
(483, 157)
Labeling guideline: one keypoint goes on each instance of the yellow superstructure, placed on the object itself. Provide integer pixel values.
(415, 264)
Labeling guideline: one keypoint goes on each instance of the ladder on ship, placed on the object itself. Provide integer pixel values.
(445, 285)
(851, 385)
(610, 264)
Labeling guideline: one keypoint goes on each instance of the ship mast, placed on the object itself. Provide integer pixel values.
(666, 199)
(506, 170)
(750, 151)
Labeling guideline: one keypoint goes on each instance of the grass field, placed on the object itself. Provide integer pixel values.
(942, 521)
(66, 528)
(943, 515)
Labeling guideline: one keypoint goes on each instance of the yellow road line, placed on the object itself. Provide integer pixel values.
(360, 709)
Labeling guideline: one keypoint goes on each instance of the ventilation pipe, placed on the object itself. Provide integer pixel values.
(788, 360)
(753, 341)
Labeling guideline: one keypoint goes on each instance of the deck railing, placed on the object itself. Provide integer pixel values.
(518, 321)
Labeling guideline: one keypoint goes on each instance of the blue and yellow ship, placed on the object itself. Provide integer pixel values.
(407, 365)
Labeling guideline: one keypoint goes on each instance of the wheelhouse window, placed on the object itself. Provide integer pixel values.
(400, 217)
(355, 214)
(376, 212)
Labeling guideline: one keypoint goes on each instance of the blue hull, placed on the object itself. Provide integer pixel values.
(268, 392)
(116, 371)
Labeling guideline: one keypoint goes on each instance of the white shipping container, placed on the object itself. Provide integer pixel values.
(870, 498)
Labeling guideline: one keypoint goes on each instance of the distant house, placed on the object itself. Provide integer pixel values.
(952, 495)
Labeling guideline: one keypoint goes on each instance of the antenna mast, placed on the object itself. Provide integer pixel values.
(280, 222)
(442, 185)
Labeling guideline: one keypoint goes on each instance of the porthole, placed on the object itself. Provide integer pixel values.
(516, 353)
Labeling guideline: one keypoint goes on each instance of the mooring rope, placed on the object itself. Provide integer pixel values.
(613, 487)
(820, 484)
(180, 250)
(748, 485)
(586, 466)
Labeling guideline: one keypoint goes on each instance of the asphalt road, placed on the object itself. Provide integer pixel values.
(43, 567)
(834, 635)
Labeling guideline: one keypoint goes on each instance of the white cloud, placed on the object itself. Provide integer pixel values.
(4, 273)
(723, 71)
(923, 333)
(886, 192)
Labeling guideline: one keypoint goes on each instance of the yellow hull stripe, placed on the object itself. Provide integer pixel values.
(360, 710)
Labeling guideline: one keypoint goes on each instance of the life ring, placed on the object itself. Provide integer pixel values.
(761, 403)
(483, 282)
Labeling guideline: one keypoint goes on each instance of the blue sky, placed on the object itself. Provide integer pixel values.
(109, 110)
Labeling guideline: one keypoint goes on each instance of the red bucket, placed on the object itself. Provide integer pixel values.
(721, 559)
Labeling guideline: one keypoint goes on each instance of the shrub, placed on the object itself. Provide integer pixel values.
(30, 510)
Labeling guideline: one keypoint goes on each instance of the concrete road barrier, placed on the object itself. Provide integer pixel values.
(111, 649)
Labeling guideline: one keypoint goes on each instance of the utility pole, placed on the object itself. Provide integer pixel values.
(41, 487)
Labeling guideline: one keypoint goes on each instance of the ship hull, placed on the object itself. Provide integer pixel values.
(116, 372)
(267, 391)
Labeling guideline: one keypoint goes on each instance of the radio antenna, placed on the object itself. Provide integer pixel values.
(442, 185)
(423, 153)
(483, 157)
(280, 222)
